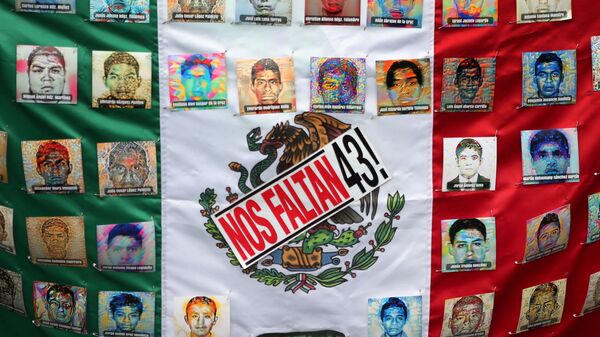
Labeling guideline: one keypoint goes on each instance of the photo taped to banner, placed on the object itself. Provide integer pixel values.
(266, 85)
(46, 6)
(264, 12)
(121, 80)
(593, 233)
(129, 247)
(127, 168)
(7, 240)
(470, 13)
(549, 78)
(596, 62)
(592, 298)
(468, 84)
(550, 156)
(529, 11)
(395, 316)
(57, 240)
(46, 74)
(469, 164)
(469, 316)
(198, 81)
(53, 166)
(393, 13)
(124, 11)
(200, 315)
(548, 233)
(542, 305)
(468, 244)
(337, 85)
(403, 87)
(126, 314)
(332, 12)
(60, 306)
(11, 291)
(196, 10)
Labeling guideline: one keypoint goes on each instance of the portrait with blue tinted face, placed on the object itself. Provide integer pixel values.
(126, 313)
(337, 85)
(395, 13)
(126, 11)
(550, 156)
(395, 317)
(549, 78)
(468, 244)
(198, 81)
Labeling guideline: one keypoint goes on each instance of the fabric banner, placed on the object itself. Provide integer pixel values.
(339, 274)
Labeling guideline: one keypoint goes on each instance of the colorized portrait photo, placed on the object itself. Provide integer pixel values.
(46, 74)
(549, 78)
(121, 80)
(129, 247)
(550, 156)
(57, 241)
(126, 314)
(469, 84)
(198, 81)
(60, 306)
(403, 87)
(266, 85)
(468, 316)
(395, 13)
(53, 166)
(127, 168)
(468, 244)
(200, 316)
(337, 85)
(395, 316)
(542, 305)
(548, 233)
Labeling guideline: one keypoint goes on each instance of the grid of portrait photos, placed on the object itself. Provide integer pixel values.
(469, 164)
(129, 247)
(201, 315)
(468, 316)
(468, 244)
(57, 241)
(542, 305)
(53, 166)
(126, 314)
(468, 84)
(60, 306)
(550, 156)
(46, 74)
(395, 316)
(121, 80)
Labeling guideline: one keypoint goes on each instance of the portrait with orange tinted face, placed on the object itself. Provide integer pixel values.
(266, 85)
(403, 87)
(57, 240)
(542, 305)
(332, 12)
(468, 316)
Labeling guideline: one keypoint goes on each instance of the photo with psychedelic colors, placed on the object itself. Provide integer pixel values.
(53, 166)
(60, 306)
(549, 78)
(128, 247)
(125, 11)
(470, 13)
(550, 156)
(468, 244)
(469, 84)
(548, 233)
(468, 316)
(395, 316)
(126, 313)
(198, 81)
(337, 85)
(46, 74)
(403, 87)
(395, 13)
